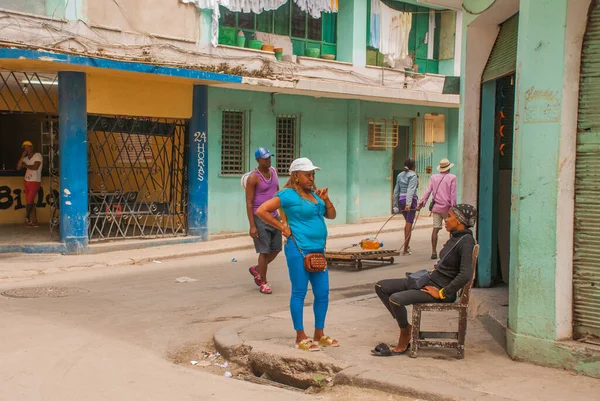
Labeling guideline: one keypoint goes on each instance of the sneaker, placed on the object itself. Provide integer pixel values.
(255, 274)
(434, 256)
(407, 252)
(265, 289)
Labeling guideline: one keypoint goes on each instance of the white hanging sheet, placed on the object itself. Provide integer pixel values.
(394, 32)
(375, 24)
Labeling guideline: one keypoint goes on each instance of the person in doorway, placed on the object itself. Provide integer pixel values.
(305, 208)
(261, 186)
(442, 189)
(452, 272)
(405, 199)
(32, 163)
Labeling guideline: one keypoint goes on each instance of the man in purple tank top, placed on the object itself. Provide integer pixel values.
(262, 185)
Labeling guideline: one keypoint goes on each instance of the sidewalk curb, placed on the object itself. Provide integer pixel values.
(405, 385)
(229, 343)
(65, 265)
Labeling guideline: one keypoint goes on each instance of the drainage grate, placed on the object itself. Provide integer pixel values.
(44, 292)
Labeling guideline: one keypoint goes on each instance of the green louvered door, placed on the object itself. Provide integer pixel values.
(503, 59)
(586, 259)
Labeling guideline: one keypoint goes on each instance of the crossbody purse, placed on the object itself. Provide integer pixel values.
(420, 279)
(432, 204)
(314, 262)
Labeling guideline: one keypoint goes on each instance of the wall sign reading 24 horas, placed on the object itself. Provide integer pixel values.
(15, 198)
(200, 140)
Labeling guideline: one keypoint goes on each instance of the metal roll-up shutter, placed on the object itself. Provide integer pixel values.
(586, 258)
(503, 59)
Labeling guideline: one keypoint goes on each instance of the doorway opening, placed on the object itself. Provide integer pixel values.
(28, 112)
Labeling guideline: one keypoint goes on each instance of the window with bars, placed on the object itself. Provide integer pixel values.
(382, 133)
(233, 141)
(288, 135)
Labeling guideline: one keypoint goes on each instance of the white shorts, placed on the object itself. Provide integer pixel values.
(438, 219)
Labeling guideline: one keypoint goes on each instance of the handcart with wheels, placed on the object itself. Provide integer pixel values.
(356, 258)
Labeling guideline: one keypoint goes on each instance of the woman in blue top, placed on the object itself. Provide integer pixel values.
(304, 209)
(405, 199)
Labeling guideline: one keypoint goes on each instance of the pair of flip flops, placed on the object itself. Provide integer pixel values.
(384, 350)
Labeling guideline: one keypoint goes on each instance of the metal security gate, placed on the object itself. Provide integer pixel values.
(503, 59)
(586, 259)
(137, 177)
(423, 155)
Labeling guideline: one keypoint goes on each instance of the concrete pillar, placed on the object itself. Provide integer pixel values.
(486, 233)
(205, 17)
(73, 160)
(352, 32)
(352, 162)
(537, 144)
(198, 164)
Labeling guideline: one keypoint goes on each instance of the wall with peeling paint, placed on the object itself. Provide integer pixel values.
(177, 19)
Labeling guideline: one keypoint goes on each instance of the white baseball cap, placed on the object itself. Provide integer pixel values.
(303, 164)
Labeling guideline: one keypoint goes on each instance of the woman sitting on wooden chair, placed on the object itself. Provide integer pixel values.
(450, 274)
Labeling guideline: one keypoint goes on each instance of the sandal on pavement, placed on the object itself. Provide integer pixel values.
(265, 289)
(327, 341)
(255, 274)
(385, 350)
(308, 345)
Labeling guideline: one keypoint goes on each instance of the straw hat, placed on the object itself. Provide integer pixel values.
(445, 165)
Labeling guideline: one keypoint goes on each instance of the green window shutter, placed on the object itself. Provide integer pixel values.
(329, 27)
(503, 59)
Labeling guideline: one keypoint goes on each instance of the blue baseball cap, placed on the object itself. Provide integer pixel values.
(262, 153)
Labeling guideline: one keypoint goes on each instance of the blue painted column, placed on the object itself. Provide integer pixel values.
(198, 164)
(72, 114)
(486, 229)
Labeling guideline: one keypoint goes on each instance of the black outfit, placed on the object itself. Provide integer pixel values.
(452, 275)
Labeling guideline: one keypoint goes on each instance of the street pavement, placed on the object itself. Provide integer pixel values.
(132, 330)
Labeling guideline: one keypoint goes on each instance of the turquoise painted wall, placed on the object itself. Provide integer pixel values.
(374, 187)
(324, 139)
(452, 137)
(50, 8)
(352, 29)
(532, 309)
(446, 67)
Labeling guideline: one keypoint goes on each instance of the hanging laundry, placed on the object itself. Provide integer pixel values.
(405, 27)
(375, 24)
(394, 32)
(313, 7)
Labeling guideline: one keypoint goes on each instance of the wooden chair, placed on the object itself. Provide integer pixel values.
(455, 339)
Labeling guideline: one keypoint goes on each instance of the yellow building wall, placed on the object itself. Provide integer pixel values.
(39, 102)
(137, 97)
(12, 201)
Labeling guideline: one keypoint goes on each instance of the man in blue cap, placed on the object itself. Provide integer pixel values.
(262, 185)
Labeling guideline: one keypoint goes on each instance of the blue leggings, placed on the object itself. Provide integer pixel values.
(300, 278)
